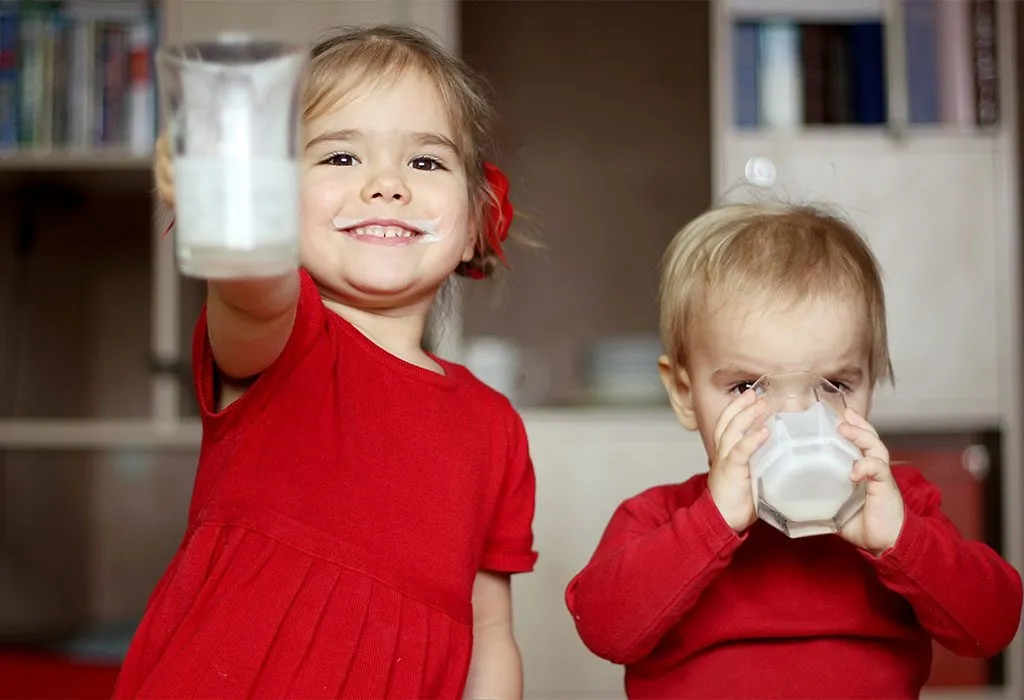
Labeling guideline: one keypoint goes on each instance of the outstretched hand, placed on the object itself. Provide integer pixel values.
(163, 170)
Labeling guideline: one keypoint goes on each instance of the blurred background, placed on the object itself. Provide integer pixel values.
(620, 122)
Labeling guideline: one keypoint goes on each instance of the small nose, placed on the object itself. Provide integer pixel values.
(385, 187)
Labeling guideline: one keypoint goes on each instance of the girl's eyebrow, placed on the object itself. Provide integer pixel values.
(432, 138)
(332, 136)
(421, 138)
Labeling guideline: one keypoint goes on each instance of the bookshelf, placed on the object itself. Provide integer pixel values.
(77, 89)
(796, 64)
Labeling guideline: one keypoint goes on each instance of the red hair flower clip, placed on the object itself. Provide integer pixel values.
(497, 217)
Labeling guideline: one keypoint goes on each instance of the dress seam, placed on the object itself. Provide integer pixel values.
(346, 565)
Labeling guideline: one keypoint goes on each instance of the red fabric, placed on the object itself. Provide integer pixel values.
(694, 611)
(342, 509)
(43, 676)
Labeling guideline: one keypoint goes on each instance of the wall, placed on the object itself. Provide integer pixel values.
(607, 145)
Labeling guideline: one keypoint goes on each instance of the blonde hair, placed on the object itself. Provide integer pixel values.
(787, 252)
(353, 56)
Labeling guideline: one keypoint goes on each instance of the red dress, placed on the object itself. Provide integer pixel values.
(342, 509)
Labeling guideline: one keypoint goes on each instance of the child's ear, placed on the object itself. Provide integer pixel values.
(470, 250)
(677, 383)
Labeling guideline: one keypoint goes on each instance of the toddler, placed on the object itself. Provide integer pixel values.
(698, 598)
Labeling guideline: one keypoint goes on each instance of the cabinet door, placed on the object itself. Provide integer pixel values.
(963, 469)
(928, 208)
(585, 468)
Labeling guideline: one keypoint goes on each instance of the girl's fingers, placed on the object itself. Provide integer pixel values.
(164, 171)
(165, 190)
(870, 468)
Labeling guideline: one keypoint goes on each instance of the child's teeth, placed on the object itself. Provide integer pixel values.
(383, 231)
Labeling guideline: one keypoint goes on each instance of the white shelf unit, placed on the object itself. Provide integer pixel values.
(940, 208)
(808, 10)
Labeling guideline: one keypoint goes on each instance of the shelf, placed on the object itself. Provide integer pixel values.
(652, 423)
(97, 169)
(65, 160)
(97, 434)
(842, 132)
(828, 139)
(807, 10)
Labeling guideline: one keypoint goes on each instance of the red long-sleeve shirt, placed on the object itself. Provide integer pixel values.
(695, 611)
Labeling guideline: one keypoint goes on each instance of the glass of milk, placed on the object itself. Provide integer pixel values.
(232, 109)
(800, 475)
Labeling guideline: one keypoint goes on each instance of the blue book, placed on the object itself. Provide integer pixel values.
(867, 72)
(921, 20)
(746, 92)
(9, 60)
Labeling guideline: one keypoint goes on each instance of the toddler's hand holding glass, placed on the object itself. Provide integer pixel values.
(878, 524)
(739, 432)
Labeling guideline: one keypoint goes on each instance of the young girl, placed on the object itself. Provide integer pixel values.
(360, 503)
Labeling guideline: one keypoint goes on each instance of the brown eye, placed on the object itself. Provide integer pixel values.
(739, 387)
(425, 163)
(339, 159)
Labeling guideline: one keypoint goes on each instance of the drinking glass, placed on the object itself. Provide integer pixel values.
(232, 108)
(800, 475)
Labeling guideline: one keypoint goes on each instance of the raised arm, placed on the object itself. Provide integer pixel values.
(249, 321)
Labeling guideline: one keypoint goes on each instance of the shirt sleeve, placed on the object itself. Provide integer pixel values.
(309, 325)
(509, 544)
(962, 591)
(625, 600)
